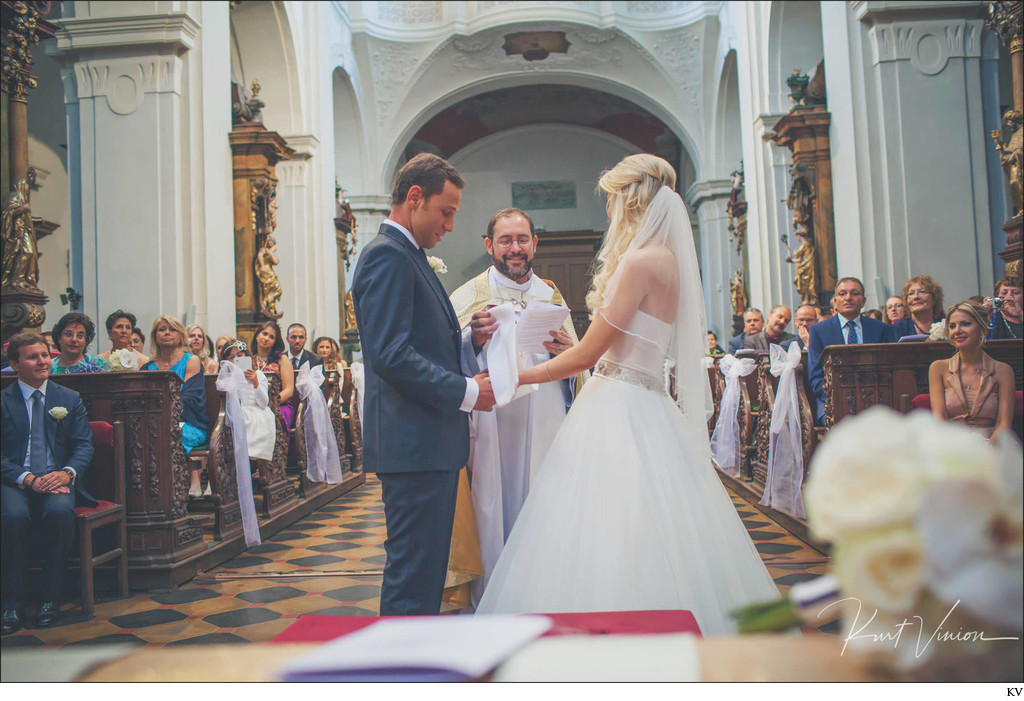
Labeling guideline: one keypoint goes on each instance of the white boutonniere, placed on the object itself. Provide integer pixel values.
(58, 413)
(437, 265)
(937, 332)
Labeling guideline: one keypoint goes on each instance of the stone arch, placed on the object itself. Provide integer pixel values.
(263, 47)
(350, 149)
(728, 147)
(794, 42)
(691, 157)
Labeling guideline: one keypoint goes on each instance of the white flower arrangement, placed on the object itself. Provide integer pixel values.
(926, 521)
(123, 360)
(937, 332)
(437, 265)
(58, 413)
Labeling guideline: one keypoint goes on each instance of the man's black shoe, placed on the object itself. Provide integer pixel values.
(11, 621)
(47, 615)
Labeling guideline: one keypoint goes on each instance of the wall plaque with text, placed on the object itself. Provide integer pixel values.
(544, 194)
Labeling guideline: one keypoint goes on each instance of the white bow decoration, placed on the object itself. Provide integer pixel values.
(725, 441)
(322, 461)
(782, 489)
(231, 380)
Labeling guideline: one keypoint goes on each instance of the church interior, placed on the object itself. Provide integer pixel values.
(220, 166)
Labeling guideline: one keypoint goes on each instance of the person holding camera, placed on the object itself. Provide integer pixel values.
(1005, 309)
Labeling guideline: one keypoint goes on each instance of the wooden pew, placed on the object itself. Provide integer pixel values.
(768, 385)
(717, 381)
(857, 377)
(279, 492)
(353, 427)
(333, 383)
(161, 535)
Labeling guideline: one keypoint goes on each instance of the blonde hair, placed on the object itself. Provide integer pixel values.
(204, 352)
(631, 185)
(972, 309)
(175, 325)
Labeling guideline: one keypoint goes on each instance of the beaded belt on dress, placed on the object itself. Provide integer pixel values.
(614, 371)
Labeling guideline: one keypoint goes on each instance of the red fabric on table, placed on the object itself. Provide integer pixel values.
(921, 401)
(102, 433)
(318, 629)
(100, 506)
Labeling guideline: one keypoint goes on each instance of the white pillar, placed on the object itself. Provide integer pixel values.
(718, 257)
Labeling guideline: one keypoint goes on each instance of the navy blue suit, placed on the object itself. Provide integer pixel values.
(415, 437)
(830, 333)
(70, 445)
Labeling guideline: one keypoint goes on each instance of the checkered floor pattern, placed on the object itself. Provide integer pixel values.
(302, 570)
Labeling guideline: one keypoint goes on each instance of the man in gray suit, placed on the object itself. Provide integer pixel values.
(774, 331)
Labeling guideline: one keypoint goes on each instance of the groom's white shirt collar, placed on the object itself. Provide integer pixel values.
(405, 231)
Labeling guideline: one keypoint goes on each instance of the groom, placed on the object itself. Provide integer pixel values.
(417, 401)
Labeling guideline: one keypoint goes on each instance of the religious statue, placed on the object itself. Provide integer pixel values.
(269, 286)
(1011, 156)
(801, 201)
(20, 255)
(737, 294)
(350, 314)
(246, 105)
(736, 210)
(806, 274)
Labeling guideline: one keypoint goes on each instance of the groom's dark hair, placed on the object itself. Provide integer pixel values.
(428, 171)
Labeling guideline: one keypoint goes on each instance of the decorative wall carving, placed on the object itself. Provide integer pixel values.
(681, 54)
(410, 12)
(589, 47)
(927, 45)
(650, 7)
(125, 82)
(391, 63)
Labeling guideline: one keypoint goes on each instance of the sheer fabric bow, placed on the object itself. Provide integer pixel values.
(322, 461)
(782, 489)
(725, 441)
(231, 380)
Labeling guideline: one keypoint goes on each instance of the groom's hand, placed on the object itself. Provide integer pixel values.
(484, 400)
(484, 326)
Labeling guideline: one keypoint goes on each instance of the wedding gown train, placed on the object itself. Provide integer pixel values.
(621, 515)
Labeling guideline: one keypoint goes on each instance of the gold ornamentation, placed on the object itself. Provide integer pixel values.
(1011, 156)
(17, 53)
(1004, 20)
(350, 313)
(20, 256)
(805, 269)
(737, 294)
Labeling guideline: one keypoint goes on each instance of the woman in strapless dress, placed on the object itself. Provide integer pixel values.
(971, 388)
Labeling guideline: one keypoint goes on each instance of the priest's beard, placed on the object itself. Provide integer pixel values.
(502, 267)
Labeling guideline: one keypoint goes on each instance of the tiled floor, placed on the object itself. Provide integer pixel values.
(301, 570)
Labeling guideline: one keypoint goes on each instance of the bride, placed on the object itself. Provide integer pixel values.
(626, 511)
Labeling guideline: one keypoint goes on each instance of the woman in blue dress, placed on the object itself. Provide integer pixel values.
(169, 344)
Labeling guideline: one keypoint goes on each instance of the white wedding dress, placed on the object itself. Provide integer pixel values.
(626, 512)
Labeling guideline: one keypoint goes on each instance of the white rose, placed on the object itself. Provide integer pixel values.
(128, 360)
(865, 475)
(437, 265)
(937, 332)
(58, 412)
(884, 569)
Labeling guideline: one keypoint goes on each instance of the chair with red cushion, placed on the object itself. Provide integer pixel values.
(108, 488)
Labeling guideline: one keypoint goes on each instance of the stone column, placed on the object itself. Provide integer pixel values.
(910, 146)
(718, 258)
(148, 159)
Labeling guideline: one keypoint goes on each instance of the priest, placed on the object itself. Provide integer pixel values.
(509, 444)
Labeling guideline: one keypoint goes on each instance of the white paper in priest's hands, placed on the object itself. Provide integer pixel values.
(419, 649)
(536, 323)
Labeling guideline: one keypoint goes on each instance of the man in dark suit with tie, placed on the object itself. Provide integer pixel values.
(47, 447)
(297, 353)
(847, 326)
(417, 399)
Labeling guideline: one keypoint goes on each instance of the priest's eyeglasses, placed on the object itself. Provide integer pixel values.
(505, 244)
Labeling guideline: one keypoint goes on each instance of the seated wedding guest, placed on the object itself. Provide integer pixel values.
(50, 344)
(922, 298)
(753, 322)
(826, 311)
(846, 327)
(329, 350)
(260, 426)
(713, 348)
(120, 327)
(222, 341)
(1006, 321)
(73, 333)
(971, 388)
(44, 466)
(202, 348)
(267, 350)
(893, 310)
(138, 340)
(806, 317)
(774, 332)
(169, 344)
